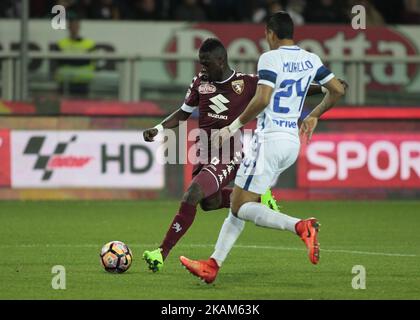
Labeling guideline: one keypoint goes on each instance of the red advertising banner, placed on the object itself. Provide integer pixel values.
(4, 158)
(110, 108)
(360, 160)
(16, 107)
(324, 40)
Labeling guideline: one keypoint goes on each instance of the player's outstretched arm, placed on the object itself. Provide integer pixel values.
(315, 89)
(335, 92)
(172, 121)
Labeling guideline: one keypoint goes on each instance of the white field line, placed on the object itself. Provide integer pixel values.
(385, 254)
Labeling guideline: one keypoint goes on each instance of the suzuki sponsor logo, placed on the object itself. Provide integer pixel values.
(218, 106)
(217, 116)
(219, 103)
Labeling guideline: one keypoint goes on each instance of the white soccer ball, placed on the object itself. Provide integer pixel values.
(116, 257)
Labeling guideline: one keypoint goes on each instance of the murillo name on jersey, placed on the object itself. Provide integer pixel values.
(297, 66)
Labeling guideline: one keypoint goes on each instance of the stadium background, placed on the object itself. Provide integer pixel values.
(140, 72)
(70, 129)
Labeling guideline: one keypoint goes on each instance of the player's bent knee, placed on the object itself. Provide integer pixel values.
(194, 194)
(235, 206)
(206, 206)
(235, 209)
(239, 197)
(237, 202)
(211, 203)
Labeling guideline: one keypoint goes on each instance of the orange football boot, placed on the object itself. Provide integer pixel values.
(206, 270)
(308, 232)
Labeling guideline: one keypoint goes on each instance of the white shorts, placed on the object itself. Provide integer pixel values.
(265, 161)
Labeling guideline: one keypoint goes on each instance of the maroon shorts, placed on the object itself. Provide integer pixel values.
(216, 175)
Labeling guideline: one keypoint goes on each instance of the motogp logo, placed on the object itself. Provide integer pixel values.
(48, 163)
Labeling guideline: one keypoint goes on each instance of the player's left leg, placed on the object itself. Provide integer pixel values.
(202, 186)
(232, 227)
(221, 200)
(278, 156)
(218, 200)
(263, 216)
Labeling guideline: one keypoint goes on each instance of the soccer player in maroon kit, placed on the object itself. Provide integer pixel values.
(220, 94)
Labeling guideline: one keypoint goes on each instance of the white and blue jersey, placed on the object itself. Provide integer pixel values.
(289, 70)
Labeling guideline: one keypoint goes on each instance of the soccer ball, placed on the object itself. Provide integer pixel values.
(116, 257)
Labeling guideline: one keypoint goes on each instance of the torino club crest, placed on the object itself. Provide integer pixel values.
(238, 86)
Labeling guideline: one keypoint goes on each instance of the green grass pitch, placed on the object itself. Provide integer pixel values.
(383, 237)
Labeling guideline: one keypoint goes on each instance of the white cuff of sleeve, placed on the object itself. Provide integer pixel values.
(235, 125)
(187, 108)
(324, 90)
(159, 127)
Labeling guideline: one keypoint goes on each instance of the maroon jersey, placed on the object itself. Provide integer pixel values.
(220, 103)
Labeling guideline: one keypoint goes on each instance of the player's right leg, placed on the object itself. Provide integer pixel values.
(263, 216)
(232, 227)
(245, 206)
(203, 185)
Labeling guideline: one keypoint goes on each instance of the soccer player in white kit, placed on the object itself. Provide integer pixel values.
(285, 74)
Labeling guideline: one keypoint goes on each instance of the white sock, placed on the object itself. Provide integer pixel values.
(265, 217)
(230, 232)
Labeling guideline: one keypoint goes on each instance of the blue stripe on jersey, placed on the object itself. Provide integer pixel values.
(321, 73)
(248, 182)
(306, 91)
(267, 75)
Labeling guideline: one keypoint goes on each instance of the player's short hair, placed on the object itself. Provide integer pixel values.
(281, 24)
(213, 45)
